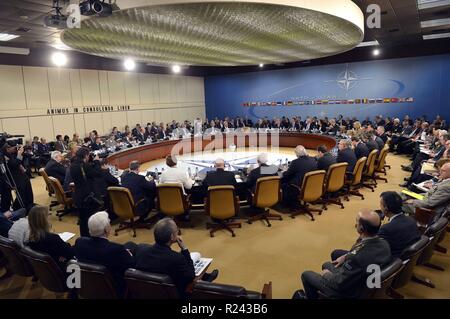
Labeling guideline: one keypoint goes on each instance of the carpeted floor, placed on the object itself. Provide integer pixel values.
(259, 254)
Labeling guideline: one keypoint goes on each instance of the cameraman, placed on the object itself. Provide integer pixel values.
(84, 172)
(15, 174)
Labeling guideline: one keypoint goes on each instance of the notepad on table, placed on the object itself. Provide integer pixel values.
(200, 263)
(413, 195)
(66, 236)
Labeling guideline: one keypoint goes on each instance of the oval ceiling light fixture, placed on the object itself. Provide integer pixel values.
(261, 65)
(376, 52)
(176, 68)
(221, 32)
(129, 64)
(59, 59)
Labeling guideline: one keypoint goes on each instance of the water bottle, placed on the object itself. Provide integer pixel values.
(156, 171)
(196, 171)
(189, 172)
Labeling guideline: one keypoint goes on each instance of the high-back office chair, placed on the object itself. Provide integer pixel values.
(387, 276)
(353, 181)
(62, 198)
(125, 208)
(15, 262)
(433, 232)
(409, 258)
(209, 290)
(96, 281)
(46, 270)
(267, 194)
(222, 205)
(310, 191)
(370, 171)
(380, 164)
(145, 285)
(334, 183)
(424, 217)
(48, 186)
(171, 201)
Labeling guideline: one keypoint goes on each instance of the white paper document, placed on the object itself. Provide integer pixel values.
(66, 236)
(200, 263)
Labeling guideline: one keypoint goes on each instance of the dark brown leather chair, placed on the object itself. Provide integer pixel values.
(46, 270)
(96, 281)
(209, 290)
(409, 258)
(145, 285)
(15, 262)
(388, 274)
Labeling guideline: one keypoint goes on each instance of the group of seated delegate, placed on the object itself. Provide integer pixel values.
(343, 277)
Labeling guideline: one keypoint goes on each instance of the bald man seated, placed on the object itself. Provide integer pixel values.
(345, 276)
(219, 176)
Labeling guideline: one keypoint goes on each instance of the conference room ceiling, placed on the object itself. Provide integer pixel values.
(400, 35)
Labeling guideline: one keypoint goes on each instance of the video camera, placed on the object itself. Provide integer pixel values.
(11, 140)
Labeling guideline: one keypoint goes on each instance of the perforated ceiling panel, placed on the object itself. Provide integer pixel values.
(215, 33)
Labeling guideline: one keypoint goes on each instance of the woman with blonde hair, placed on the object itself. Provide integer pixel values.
(42, 240)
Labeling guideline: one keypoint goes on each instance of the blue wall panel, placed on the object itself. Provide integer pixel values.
(426, 79)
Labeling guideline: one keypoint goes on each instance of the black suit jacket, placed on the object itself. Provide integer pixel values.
(103, 252)
(361, 150)
(372, 145)
(379, 142)
(297, 170)
(53, 245)
(219, 177)
(162, 259)
(261, 171)
(140, 188)
(56, 170)
(400, 233)
(325, 161)
(347, 155)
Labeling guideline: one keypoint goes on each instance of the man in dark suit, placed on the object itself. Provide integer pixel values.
(160, 258)
(59, 144)
(345, 277)
(97, 145)
(98, 249)
(359, 147)
(370, 142)
(219, 176)
(140, 188)
(324, 158)
(346, 154)
(295, 173)
(263, 170)
(54, 168)
(401, 231)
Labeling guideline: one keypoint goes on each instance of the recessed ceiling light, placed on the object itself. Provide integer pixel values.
(129, 64)
(261, 65)
(7, 37)
(428, 4)
(435, 23)
(176, 69)
(59, 59)
(376, 52)
(368, 44)
(436, 36)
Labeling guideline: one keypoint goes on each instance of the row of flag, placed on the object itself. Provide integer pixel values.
(332, 102)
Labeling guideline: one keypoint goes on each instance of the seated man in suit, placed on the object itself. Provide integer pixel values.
(140, 188)
(160, 258)
(295, 173)
(219, 176)
(97, 145)
(263, 170)
(359, 147)
(59, 144)
(54, 168)
(97, 249)
(324, 158)
(371, 144)
(346, 276)
(402, 230)
(346, 154)
(437, 198)
(175, 174)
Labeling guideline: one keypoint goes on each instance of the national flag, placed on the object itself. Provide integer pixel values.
(351, 101)
(394, 100)
(386, 100)
(325, 102)
(380, 100)
(290, 103)
(318, 102)
(410, 99)
(365, 101)
(358, 101)
(372, 101)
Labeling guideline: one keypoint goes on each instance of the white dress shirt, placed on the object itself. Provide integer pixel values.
(176, 175)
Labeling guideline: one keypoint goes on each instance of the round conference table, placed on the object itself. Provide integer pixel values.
(158, 150)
